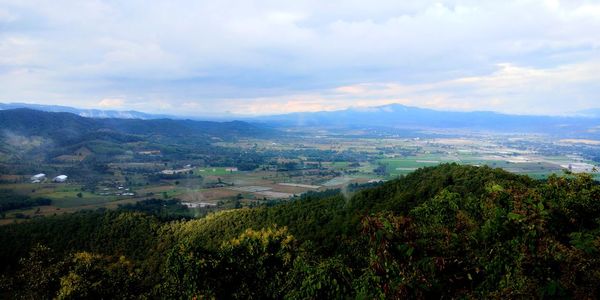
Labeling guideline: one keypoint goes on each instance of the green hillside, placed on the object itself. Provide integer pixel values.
(31, 140)
(441, 232)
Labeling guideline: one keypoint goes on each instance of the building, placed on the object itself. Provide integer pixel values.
(198, 204)
(179, 171)
(37, 178)
(60, 178)
(149, 152)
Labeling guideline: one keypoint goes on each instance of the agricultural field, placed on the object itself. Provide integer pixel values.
(289, 168)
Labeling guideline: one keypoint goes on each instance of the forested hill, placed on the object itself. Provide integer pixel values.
(33, 136)
(443, 232)
(88, 113)
(69, 128)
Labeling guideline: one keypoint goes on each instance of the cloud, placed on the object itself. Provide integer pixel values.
(509, 88)
(517, 56)
(111, 103)
(6, 16)
(300, 103)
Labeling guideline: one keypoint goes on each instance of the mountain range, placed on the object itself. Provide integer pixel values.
(592, 113)
(39, 135)
(66, 127)
(585, 125)
(88, 113)
(406, 117)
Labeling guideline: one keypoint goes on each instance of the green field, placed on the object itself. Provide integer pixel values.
(338, 165)
(401, 166)
(399, 156)
(214, 171)
(405, 165)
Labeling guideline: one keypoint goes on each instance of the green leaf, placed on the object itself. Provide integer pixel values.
(515, 216)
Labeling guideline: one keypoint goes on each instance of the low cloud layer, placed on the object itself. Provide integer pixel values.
(262, 57)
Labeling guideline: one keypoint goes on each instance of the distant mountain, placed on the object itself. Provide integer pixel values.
(66, 128)
(400, 116)
(591, 113)
(39, 137)
(88, 113)
(584, 124)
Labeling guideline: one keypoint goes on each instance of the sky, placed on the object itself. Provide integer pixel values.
(226, 57)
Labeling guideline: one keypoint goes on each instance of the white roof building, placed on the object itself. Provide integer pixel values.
(60, 178)
(38, 177)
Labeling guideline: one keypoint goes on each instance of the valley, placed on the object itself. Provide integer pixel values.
(300, 149)
(164, 208)
(252, 171)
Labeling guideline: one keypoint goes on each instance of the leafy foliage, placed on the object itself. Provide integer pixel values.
(166, 210)
(443, 232)
(10, 201)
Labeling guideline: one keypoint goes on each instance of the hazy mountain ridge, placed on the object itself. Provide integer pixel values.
(583, 125)
(34, 122)
(591, 113)
(116, 114)
(401, 116)
(88, 113)
(45, 135)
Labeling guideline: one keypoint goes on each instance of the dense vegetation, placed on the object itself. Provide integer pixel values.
(67, 128)
(29, 137)
(165, 210)
(83, 148)
(10, 200)
(449, 231)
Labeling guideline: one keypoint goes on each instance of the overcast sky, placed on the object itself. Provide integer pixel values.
(263, 57)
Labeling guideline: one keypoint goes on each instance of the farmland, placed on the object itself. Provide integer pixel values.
(288, 168)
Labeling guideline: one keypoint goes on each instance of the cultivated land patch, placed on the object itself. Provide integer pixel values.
(275, 195)
(535, 165)
(250, 189)
(337, 181)
(357, 160)
(207, 171)
(301, 185)
(580, 141)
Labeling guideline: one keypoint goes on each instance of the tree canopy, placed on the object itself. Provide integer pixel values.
(449, 231)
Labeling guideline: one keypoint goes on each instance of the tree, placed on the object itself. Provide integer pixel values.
(39, 275)
(256, 258)
(94, 276)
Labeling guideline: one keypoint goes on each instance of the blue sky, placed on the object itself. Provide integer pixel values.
(264, 57)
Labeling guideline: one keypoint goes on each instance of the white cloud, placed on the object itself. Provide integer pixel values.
(510, 89)
(111, 103)
(517, 56)
(6, 16)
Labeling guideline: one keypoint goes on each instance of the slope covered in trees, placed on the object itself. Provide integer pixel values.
(68, 128)
(448, 231)
(31, 137)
